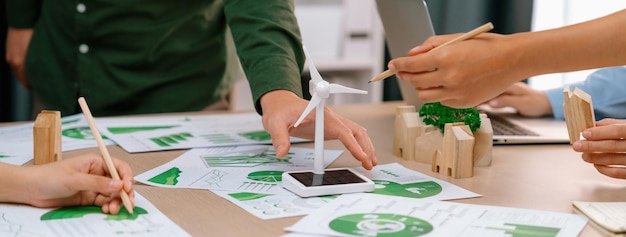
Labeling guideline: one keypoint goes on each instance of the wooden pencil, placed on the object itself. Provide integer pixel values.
(105, 152)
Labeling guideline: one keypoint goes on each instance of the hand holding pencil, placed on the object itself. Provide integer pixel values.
(467, 73)
(105, 152)
(481, 29)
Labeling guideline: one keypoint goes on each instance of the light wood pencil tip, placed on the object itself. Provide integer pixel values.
(382, 76)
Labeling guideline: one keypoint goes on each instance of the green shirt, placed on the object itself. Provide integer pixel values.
(152, 56)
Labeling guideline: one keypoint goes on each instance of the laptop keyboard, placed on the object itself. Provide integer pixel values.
(502, 126)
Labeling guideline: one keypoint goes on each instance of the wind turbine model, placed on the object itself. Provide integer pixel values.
(320, 182)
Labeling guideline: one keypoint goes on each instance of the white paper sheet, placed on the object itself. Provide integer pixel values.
(147, 220)
(391, 179)
(253, 168)
(382, 215)
(16, 142)
(158, 133)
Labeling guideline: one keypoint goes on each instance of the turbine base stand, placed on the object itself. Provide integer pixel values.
(333, 181)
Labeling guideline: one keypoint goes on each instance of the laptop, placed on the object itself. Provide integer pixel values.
(407, 23)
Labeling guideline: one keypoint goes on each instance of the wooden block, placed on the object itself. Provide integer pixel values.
(437, 162)
(427, 145)
(456, 157)
(400, 129)
(411, 130)
(567, 112)
(47, 137)
(578, 110)
(462, 160)
(483, 142)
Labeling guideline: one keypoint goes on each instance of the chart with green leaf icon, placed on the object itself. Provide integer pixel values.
(380, 224)
(413, 190)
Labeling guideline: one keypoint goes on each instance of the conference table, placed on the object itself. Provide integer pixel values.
(543, 177)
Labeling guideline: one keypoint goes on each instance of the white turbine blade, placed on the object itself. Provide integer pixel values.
(336, 88)
(315, 75)
(315, 99)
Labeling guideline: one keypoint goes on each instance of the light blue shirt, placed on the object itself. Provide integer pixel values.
(607, 88)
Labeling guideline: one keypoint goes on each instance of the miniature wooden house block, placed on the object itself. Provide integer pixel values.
(456, 159)
(427, 145)
(405, 124)
(483, 142)
(578, 111)
(47, 137)
(452, 155)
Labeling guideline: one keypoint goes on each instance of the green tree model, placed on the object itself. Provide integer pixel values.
(438, 115)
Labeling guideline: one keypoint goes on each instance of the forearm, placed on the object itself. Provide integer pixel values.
(586, 45)
(606, 88)
(268, 40)
(13, 187)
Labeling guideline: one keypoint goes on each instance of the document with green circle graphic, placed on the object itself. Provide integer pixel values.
(253, 169)
(146, 220)
(391, 179)
(16, 142)
(367, 214)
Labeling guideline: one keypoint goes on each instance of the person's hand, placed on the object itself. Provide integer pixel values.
(525, 100)
(16, 47)
(82, 180)
(463, 74)
(281, 110)
(605, 147)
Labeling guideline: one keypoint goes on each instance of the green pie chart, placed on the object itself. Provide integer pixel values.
(380, 224)
(78, 133)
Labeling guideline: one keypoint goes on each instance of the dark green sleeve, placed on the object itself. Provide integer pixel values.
(23, 13)
(268, 43)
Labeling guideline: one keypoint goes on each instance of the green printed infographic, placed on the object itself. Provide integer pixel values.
(132, 129)
(413, 190)
(246, 196)
(271, 176)
(271, 206)
(517, 230)
(81, 211)
(156, 133)
(257, 135)
(380, 224)
(264, 157)
(83, 133)
(70, 121)
(29, 221)
(171, 139)
(367, 214)
(220, 138)
(169, 177)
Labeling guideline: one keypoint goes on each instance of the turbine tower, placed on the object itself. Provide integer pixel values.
(320, 90)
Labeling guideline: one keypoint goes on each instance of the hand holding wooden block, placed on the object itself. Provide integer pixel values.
(578, 111)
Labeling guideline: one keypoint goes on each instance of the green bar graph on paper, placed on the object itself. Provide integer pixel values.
(527, 230)
(219, 138)
(168, 140)
(122, 130)
(257, 135)
(265, 157)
